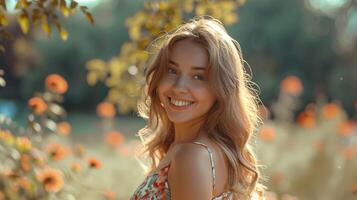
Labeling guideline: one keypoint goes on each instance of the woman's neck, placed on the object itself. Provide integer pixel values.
(187, 132)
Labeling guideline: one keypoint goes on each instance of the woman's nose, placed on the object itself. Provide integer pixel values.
(181, 84)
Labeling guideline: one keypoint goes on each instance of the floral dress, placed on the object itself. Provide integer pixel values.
(156, 187)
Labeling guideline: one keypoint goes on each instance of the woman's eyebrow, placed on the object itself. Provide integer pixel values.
(193, 67)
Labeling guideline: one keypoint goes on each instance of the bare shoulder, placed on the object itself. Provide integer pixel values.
(190, 175)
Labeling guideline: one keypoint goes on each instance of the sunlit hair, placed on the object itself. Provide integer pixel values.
(231, 121)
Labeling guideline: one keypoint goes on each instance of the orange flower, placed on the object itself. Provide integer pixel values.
(25, 162)
(56, 83)
(94, 163)
(354, 188)
(109, 195)
(306, 119)
(291, 85)
(114, 138)
(330, 110)
(38, 105)
(23, 144)
(64, 128)
(106, 110)
(76, 167)
(24, 183)
(56, 151)
(267, 133)
(52, 179)
(346, 128)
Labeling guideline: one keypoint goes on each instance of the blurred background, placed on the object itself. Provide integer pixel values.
(302, 55)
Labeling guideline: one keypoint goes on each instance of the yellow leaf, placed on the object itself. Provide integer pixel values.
(116, 67)
(64, 35)
(24, 22)
(96, 65)
(64, 9)
(25, 3)
(92, 78)
(45, 26)
(36, 15)
(83, 8)
(3, 20)
(89, 17)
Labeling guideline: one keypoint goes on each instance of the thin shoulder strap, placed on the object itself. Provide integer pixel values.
(212, 162)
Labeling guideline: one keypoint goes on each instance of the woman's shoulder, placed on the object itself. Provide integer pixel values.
(189, 174)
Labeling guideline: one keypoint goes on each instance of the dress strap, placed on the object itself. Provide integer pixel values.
(212, 161)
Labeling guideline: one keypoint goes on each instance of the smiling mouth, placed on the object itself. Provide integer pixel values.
(180, 103)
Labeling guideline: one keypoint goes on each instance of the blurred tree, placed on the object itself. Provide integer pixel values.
(283, 38)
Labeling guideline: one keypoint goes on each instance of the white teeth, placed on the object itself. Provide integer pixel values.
(180, 103)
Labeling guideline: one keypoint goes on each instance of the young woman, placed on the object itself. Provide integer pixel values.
(201, 114)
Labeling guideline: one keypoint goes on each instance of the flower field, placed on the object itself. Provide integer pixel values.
(311, 156)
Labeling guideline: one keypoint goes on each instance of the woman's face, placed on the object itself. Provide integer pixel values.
(184, 88)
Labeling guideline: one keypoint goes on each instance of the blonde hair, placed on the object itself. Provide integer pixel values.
(231, 121)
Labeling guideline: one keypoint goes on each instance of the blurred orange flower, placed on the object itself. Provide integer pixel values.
(267, 133)
(56, 151)
(23, 144)
(25, 183)
(109, 195)
(306, 119)
(114, 138)
(56, 83)
(25, 162)
(354, 188)
(52, 179)
(291, 85)
(106, 110)
(76, 167)
(37, 105)
(64, 128)
(330, 110)
(346, 128)
(94, 163)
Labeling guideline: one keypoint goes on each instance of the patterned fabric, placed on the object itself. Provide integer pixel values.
(156, 187)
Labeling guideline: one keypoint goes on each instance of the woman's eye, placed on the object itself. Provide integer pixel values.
(171, 71)
(198, 77)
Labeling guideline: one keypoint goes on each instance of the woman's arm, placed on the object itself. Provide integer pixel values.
(190, 174)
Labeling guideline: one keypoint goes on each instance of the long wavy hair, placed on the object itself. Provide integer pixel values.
(232, 120)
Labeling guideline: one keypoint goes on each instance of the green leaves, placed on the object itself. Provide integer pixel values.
(42, 12)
